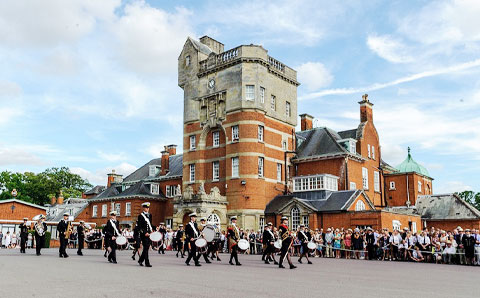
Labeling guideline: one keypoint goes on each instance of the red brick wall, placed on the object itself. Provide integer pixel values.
(20, 211)
(449, 225)
(398, 196)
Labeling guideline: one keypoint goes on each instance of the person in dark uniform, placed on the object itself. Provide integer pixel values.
(112, 231)
(268, 239)
(23, 235)
(138, 241)
(163, 231)
(233, 237)
(191, 234)
(81, 237)
(304, 239)
(144, 221)
(40, 229)
(179, 240)
(62, 229)
(287, 241)
(203, 223)
(468, 241)
(370, 238)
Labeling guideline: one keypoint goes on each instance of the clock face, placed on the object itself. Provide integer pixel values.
(211, 83)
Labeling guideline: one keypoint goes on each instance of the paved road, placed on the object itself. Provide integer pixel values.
(92, 276)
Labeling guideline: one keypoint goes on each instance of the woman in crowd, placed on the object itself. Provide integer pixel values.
(337, 243)
(357, 243)
(13, 241)
(348, 243)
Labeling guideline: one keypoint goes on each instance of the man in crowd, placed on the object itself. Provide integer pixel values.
(448, 253)
(395, 242)
(329, 243)
(370, 238)
(423, 244)
(468, 242)
(81, 237)
(62, 229)
(179, 241)
(23, 235)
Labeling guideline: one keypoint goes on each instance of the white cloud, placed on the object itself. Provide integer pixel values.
(389, 49)
(32, 155)
(425, 74)
(314, 75)
(451, 186)
(99, 176)
(9, 89)
(111, 156)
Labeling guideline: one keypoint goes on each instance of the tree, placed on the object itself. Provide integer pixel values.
(470, 197)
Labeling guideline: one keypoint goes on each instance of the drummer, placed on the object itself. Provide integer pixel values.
(145, 227)
(268, 240)
(304, 239)
(233, 238)
(111, 231)
(191, 234)
(201, 227)
(163, 231)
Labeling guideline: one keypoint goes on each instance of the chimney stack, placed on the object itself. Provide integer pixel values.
(53, 200)
(366, 113)
(172, 149)
(60, 198)
(306, 121)
(216, 46)
(113, 178)
(166, 160)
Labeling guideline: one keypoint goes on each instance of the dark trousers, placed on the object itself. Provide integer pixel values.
(284, 251)
(192, 253)
(160, 247)
(234, 254)
(23, 243)
(63, 245)
(39, 242)
(112, 256)
(80, 244)
(371, 252)
(180, 248)
(146, 248)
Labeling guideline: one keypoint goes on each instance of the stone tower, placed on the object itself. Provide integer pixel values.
(240, 112)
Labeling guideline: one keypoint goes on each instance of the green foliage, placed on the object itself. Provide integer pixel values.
(48, 236)
(470, 197)
(39, 188)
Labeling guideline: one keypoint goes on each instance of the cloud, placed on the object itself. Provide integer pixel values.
(111, 156)
(99, 176)
(452, 186)
(23, 155)
(314, 75)
(389, 49)
(406, 79)
(9, 89)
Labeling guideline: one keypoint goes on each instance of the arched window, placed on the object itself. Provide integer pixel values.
(360, 206)
(213, 219)
(295, 214)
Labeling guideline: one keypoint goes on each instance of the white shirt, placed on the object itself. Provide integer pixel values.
(424, 240)
(449, 250)
(396, 239)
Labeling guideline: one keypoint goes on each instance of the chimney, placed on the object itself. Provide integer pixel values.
(113, 178)
(60, 198)
(306, 122)
(172, 149)
(366, 113)
(216, 46)
(165, 160)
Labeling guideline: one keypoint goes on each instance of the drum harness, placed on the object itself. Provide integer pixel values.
(115, 227)
(148, 222)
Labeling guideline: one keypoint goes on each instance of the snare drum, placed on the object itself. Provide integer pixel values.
(209, 233)
(121, 240)
(156, 236)
(243, 245)
(278, 244)
(201, 245)
(311, 245)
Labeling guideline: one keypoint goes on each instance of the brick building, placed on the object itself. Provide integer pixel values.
(13, 211)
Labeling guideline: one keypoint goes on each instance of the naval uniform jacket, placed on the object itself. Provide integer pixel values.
(109, 230)
(62, 228)
(81, 232)
(191, 232)
(143, 226)
(233, 235)
(44, 230)
(23, 231)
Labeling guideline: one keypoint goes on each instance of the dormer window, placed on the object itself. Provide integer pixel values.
(152, 171)
(352, 147)
(154, 188)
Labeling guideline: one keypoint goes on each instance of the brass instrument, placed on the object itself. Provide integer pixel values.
(69, 230)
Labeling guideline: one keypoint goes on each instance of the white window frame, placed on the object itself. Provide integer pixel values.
(216, 170)
(187, 60)
(353, 185)
(279, 172)
(273, 102)
(396, 225)
(419, 186)
(118, 208)
(369, 152)
(353, 147)
(284, 145)
(235, 133)
(315, 182)
(261, 223)
(216, 139)
(104, 210)
(414, 227)
(306, 220)
(392, 185)
(95, 211)
(261, 130)
(192, 172)
(155, 189)
(365, 178)
(235, 167)
(373, 152)
(360, 206)
(295, 218)
(376, 181)
(250, 92)
(262, 95)
(128, 209)
(192, 142)
(261, 165)
(152, 171)
(288, 111)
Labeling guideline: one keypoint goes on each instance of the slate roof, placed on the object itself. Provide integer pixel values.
(95, 190)
(320, 142)
(109, 192)
(445, 206)
(138, 190)
(175, 166)
(319, 201)
(352, 134)
(200, 46)
(74, 206)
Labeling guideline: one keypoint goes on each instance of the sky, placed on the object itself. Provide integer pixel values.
(92, 85)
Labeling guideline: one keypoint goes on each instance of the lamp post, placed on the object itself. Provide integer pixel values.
(14, 195)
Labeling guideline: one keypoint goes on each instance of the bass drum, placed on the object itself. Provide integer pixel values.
(243, 245)
(156, 236)
(201, 245)
(211, 233)
(121, 240)
(311, 246)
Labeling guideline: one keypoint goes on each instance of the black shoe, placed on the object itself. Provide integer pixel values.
(231, 263)
(238, 264)
(300, 261)
(79, 253)
(182, 257)
(140, 263)
(310, 262)
(65, 256)
(198, 264)
(177, 255)
(110, 261)
(267, 262)
(38, 254)
(133, 257)
(114, 262)
(105, 254)
(208, 262)
(275, 262)
(263, 258)
(148, 265)
(293, 266)
(188, 264)
(218, 259)
(60, 256)
(281, 266)
(163, 253)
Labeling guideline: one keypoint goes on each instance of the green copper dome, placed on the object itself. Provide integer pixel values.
(409, 165)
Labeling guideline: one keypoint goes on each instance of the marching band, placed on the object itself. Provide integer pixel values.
(196, 240)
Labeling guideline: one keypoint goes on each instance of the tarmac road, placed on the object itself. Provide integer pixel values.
(92, 276)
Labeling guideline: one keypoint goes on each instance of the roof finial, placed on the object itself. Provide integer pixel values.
(408, 151)
(365, 97)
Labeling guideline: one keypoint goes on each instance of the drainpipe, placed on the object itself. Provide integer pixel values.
(408, 193)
